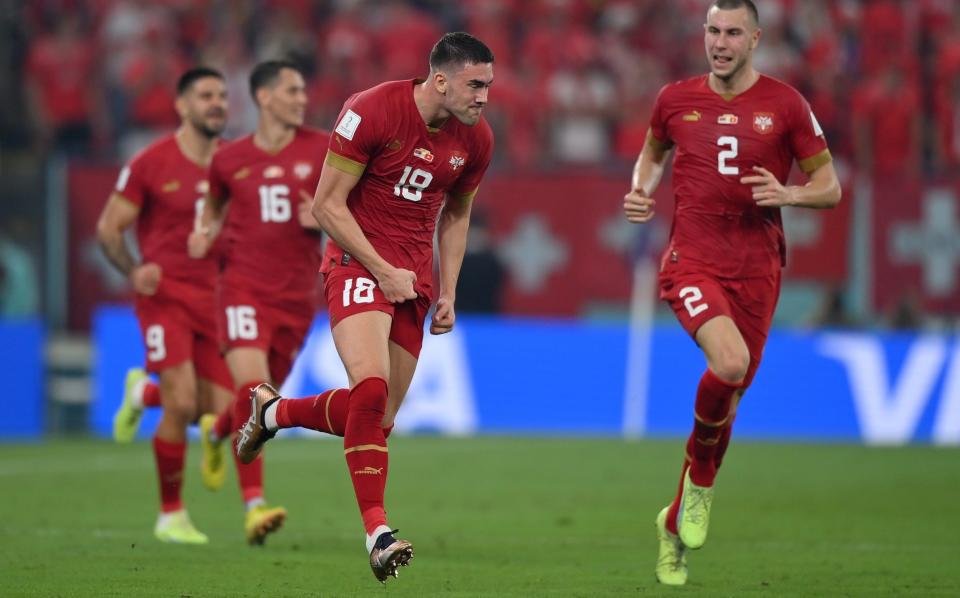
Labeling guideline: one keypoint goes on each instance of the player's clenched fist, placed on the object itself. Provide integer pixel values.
(145, 278)
(443, 317)
(397, 285)
(638, 208)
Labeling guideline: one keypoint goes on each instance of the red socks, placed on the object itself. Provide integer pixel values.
(326, 412)
(151, 394)
(709, 440)
(249, 475)
(365, 448)
(711, 411)
(169, 457)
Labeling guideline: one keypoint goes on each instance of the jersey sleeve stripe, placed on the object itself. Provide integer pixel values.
(656, 143)
(466, 197)
(345, 164)
(808, 165)
(123, 197)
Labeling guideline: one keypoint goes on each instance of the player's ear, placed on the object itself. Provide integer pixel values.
(440, 82)
(180, 105)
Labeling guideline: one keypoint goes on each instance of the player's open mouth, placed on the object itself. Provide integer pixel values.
(722, 60)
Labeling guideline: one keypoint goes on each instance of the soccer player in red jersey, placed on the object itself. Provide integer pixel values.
(161, 190)
(406, 158)
(736, 134)
(261, 188)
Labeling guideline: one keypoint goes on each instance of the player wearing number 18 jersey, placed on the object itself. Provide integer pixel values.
(405, 159)
(261, 187)
(736, 134)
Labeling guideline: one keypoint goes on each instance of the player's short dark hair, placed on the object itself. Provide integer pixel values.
(735, 4)
(266, 73)
(459, 48)
(195, 74)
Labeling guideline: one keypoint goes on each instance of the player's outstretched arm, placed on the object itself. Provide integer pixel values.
(332, 214)
(117, 216)
(638, 204)
(452, 228)
(821, 191)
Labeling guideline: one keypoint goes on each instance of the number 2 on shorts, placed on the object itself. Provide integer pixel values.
(690, 296)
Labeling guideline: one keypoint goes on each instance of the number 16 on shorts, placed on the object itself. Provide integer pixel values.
(242, 322)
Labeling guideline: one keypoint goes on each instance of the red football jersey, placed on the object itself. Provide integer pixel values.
(407, 170)
(264, 244)
(169, 189)
(716, 222)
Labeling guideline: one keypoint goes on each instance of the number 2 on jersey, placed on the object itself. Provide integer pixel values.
(730, 153)
(412, 183)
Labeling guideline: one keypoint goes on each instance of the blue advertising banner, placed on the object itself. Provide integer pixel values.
(21, 364)
(525, 376)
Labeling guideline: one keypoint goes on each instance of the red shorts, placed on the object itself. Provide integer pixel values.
(276, 323)
(696, 298)
(351, 289)
(178, 325)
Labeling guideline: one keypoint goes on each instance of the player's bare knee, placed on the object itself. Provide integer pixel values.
(731, 366)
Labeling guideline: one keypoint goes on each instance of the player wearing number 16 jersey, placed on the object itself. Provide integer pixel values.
(736, 134)
(406, 159)
(261, 187)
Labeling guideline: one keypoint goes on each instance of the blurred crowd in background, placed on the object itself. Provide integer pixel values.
(575, 79)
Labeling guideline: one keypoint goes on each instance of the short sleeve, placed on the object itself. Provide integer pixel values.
(468, 183)
(358, 135)
(807, 143)
(658, 134)
(131, 182)
(218, 181)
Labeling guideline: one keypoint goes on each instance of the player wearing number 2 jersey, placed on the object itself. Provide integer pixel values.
(160, 189)
(402, 154)
(261, 187)
(736, 134)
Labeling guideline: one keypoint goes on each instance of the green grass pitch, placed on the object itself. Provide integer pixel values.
(490, 517)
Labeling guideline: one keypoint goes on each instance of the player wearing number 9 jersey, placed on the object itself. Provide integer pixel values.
(160, 190)
(405, 159)
(261, 187)
(736, 134)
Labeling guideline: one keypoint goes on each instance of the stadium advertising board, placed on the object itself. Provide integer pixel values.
(524, 376)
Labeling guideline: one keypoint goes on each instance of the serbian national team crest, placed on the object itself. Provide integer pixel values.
(763, 122)
(273, 172)
(302, 170)
(424, 154)
(456, 161)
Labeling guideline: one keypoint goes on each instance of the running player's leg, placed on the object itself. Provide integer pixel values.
(250, 364)
(213, 398)
(362, 340)
(178, 396)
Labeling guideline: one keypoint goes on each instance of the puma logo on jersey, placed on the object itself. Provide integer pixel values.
(394, 145)
(693, 117)
(170, 186)
(241, 174)
(727, 119)
(763, 122)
